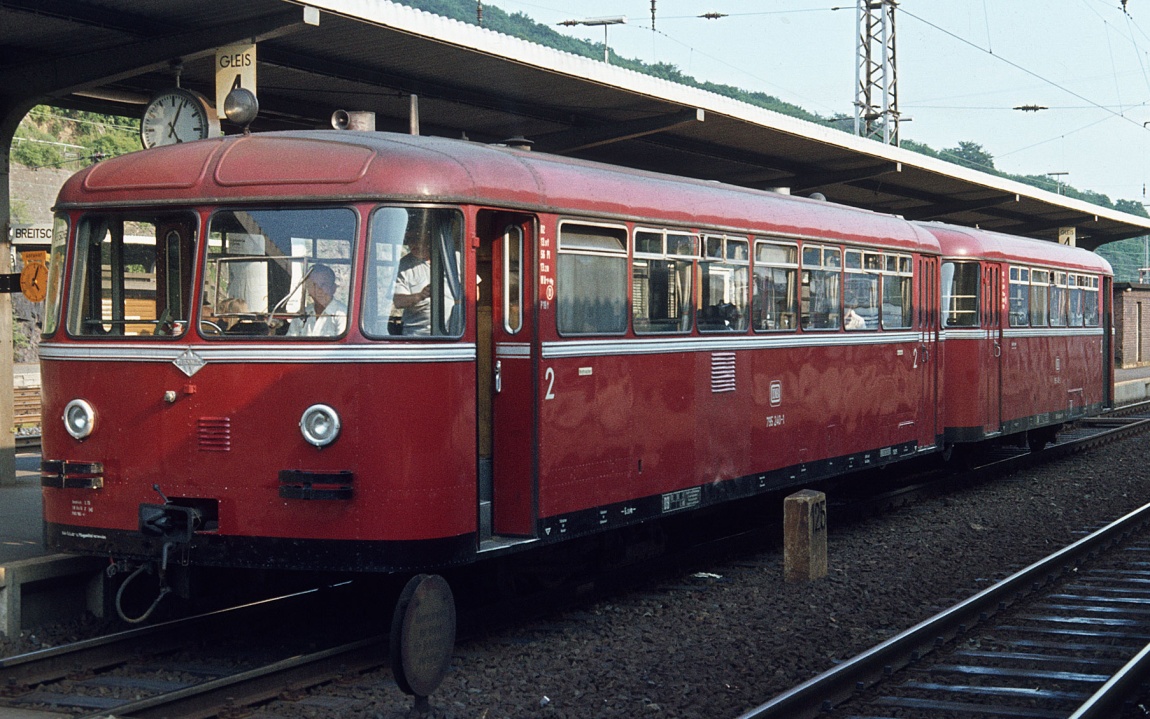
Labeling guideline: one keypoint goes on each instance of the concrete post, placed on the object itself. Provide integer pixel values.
(805, 536)
(11, 113)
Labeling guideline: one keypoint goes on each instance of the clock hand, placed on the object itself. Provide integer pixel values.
(172, 124)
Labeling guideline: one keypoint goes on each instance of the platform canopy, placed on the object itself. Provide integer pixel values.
(371, 55)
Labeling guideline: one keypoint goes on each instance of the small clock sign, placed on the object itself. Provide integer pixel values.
(34, 277)
(178, 115)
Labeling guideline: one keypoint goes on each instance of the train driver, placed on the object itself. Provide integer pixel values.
(413, 285)
(329, 318)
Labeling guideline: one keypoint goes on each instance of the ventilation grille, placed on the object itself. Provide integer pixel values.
(722, 371)
(214, 434)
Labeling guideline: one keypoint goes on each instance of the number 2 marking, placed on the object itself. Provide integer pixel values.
(550, 376)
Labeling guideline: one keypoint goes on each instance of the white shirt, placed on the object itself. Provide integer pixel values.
(330, 323)
(854, 321)
(414, 274)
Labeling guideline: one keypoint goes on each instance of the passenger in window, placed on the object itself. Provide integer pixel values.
(722, 316)
(413, 286)
(853, 320)
(328, 317)
(230, 311)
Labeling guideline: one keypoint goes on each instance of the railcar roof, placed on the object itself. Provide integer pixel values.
(331, 165)
(958, 241)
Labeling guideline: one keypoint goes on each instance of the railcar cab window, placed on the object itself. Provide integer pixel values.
(960, 284)
(1019, 296)
(724, 293)
(56, 259)
(897, 292)
(820, 290)
(278, 273)
(776, 301)
(132, 275)
(591, 287)
(413, 286)
(661, 273)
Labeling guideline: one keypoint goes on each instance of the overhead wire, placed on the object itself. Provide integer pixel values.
(1017, 66)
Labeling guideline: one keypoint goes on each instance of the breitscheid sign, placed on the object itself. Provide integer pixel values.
(34, 234)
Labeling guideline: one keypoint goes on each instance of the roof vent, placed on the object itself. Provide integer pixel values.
(519, 142)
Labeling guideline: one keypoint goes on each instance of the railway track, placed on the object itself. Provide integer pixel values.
(1068, 636)
(191, 667)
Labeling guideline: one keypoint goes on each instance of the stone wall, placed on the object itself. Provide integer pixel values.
(33, 193)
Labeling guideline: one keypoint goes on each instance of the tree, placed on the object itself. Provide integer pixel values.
(970, 154)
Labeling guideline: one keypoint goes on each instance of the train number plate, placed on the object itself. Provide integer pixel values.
(682, 499)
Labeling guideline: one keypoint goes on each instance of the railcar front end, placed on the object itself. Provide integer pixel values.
(213, 403)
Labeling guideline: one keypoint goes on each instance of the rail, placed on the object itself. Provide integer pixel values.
(28, 679)
(819, 695)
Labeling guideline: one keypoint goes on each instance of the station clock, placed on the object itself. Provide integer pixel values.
(178, 115)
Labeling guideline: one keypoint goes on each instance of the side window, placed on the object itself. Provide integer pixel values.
(1090, 310)
(133, 275)
(1039, 297)
(1058, 297)
(960, 284)
(591, 287)
(278, 272)
(1077, 284)
(724, 276)
(661, 273)
(776, 301)
(1019, 296)
(898, 293)
(861, 290)
(820, 290)
(413, 280)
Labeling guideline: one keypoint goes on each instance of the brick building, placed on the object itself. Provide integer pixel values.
(1131, 324)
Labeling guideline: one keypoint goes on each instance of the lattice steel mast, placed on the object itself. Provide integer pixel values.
(876, 74)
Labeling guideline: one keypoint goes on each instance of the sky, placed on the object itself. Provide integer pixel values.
(963, 65)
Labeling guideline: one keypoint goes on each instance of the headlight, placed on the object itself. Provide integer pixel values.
(319, 425)
(79, 418)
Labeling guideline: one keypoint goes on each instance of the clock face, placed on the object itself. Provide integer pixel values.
(34, 281)
(178, 115)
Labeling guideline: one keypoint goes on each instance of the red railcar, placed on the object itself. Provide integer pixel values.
(1025, 347)
(385, 353)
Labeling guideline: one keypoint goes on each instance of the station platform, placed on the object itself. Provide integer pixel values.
(21, 527)
(1131, 385)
